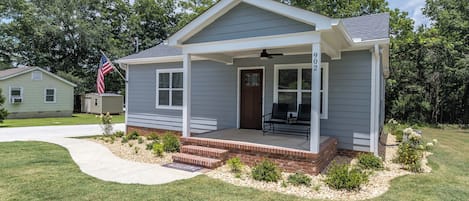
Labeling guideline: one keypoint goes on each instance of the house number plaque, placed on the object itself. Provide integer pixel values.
(315, 61)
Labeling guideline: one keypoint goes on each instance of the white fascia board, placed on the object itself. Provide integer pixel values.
(202, 21)
(320, 21)
(153, 60)
(339, 26)
(263, 42)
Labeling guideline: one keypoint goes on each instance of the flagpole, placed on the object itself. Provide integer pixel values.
(113, 66)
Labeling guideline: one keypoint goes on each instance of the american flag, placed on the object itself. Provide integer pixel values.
(105, 67)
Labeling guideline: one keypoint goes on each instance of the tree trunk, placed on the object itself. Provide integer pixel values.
(466, 104)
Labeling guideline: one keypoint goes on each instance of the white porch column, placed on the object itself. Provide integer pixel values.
(315, 98)
(186, 96)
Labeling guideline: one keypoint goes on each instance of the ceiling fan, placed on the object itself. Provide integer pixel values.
(265, 55)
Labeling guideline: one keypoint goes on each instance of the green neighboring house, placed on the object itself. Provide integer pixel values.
(34, 92)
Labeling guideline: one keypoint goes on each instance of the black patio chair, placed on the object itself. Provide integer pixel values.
(304, 117)
(279, 115)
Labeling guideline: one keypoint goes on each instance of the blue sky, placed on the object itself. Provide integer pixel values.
(413, 7)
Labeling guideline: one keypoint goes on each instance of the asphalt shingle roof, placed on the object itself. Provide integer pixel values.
(13, 71)
(368, 27)
(160, 50)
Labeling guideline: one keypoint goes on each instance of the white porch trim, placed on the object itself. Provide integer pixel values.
(186, 96)
(254, 43)
(315, 98)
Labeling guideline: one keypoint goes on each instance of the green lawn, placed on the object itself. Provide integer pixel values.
(76, 119)
(42, 171)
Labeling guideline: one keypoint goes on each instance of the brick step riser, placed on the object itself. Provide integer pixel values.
(197, 162)
(204, 153)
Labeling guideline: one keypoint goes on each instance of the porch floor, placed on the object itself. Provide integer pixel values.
(256, 136)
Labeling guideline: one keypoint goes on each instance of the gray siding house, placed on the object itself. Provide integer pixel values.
(226, 69)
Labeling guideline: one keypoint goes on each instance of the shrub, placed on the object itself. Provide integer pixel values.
(140, 140)
(150, 145)
(153, 136)
(170, 143)
(266, 171)
(119, 133)
(158, 149)
(369, 161)
(133, 136)
(235, 164)
(106, 123)
(399, 135)
(299, 179)
(344, 177)
(124, 140)
(409, 155)
(392, 125)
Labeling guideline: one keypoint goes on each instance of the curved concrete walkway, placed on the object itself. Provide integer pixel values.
(95, 159)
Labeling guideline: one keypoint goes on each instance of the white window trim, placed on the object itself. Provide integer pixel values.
(170, 107)
(45, 95)
(325, 90)
(9, 93)
(32, 75)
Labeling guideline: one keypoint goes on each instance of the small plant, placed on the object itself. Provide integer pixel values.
(158, 149)
(399, 135)
(140, 140)
(170, 143)
(317, 187)
(105, 121)
(118, 133)
(392, 125)
(284, 184)
(344, 177)
(136, 150)
(369, 161)
(266, 171)
(124, 140)
(409, 156)
(153, 136)
(150, 145)
(299, 179)
(133, 136)
(235, 164)
(131, 144)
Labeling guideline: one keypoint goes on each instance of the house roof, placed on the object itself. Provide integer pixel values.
(368, 27)
(13, 72)
(356, 30)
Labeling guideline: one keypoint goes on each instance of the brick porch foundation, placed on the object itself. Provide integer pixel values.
(289, 160)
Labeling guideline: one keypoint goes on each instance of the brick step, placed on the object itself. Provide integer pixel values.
(205, 151)
(197, 160)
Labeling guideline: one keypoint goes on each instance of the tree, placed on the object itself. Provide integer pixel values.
(3, 111)
(341, 8)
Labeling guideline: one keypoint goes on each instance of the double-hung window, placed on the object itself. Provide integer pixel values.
(49, 95)
(169, 88)
(292, 85)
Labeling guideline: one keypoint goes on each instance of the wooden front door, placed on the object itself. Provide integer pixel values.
(251, 99)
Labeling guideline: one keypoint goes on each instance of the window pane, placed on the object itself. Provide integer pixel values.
(306, 77)
(289, 98)
(163, 96)
(252, 79)
(320, 108)
(49, 92)
(287, 79)
(177, 98)
(177, 80)
(16, 92)
(306, 98)
(164, 80)
(49, 98)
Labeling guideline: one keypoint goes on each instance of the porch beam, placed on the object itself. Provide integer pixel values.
(222, 58)
(254, 43)
(186, 96)
(315, 98)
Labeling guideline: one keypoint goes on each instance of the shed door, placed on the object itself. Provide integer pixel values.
(251, 99)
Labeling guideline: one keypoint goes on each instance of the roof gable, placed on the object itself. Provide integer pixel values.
(208, 17)
(245, 21)
(14, 72)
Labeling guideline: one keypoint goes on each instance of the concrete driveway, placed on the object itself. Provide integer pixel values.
(94, 159)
